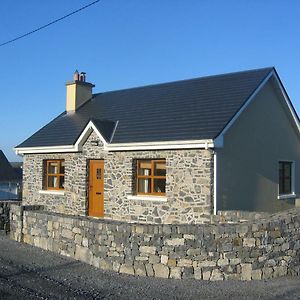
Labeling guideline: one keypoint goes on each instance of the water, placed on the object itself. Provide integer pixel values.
(9, 190)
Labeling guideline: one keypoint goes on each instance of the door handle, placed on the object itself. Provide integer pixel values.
(98, 193)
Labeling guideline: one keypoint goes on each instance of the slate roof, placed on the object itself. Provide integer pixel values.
(18, 169)
(190, 109)
(106, 128)
(7, 172)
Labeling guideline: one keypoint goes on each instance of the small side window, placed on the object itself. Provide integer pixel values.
(286, 178)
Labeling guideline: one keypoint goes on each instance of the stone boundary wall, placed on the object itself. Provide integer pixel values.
(16, 216)
(4, 213)
(254, 250)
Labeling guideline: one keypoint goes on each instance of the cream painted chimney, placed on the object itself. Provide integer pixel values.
(78, 91)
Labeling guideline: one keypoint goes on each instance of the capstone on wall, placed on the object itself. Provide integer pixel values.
(189, 184)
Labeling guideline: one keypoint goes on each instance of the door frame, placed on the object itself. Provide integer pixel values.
(89, 161)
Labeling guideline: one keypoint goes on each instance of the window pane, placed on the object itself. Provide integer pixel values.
(54, 171)
(285, 177)
(287, 186)
(62, 182)
(144, 168)
(144, 186)
(160, 168)
(98, 173)
(53, 167)
(281, 178)
(52, 181)
(159, 185)
(287, 168)
(62, 167)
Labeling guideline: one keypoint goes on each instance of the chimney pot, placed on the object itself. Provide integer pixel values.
(82, 76)
(76, 75)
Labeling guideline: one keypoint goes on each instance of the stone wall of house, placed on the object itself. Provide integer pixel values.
(259, 249)
(189, 184)
(71, 201)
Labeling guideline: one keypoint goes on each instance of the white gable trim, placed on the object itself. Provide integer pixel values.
(90, 127)
(219, 140)
(288, 101)
(85, 134)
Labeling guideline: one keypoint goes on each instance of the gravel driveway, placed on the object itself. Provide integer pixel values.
(27, 272)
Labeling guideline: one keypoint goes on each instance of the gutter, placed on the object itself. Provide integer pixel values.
(165, 145)
(215, 210)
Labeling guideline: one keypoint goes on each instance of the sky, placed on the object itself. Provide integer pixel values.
(122, 44)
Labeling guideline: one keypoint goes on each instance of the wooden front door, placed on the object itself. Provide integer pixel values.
(96, 188)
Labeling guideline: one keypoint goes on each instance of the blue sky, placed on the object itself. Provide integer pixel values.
(129, 43)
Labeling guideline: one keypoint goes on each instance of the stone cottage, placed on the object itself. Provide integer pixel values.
(168, 153)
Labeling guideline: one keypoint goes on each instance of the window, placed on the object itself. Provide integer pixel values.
(285, 178)
(151, 177)
(54, 174)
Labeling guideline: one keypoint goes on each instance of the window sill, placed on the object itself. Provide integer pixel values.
(50, 192)
(286, 196)
(147, 198)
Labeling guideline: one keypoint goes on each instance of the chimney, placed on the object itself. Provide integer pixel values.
(78, 91)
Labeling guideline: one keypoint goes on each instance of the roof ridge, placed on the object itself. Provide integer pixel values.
(183, 80)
